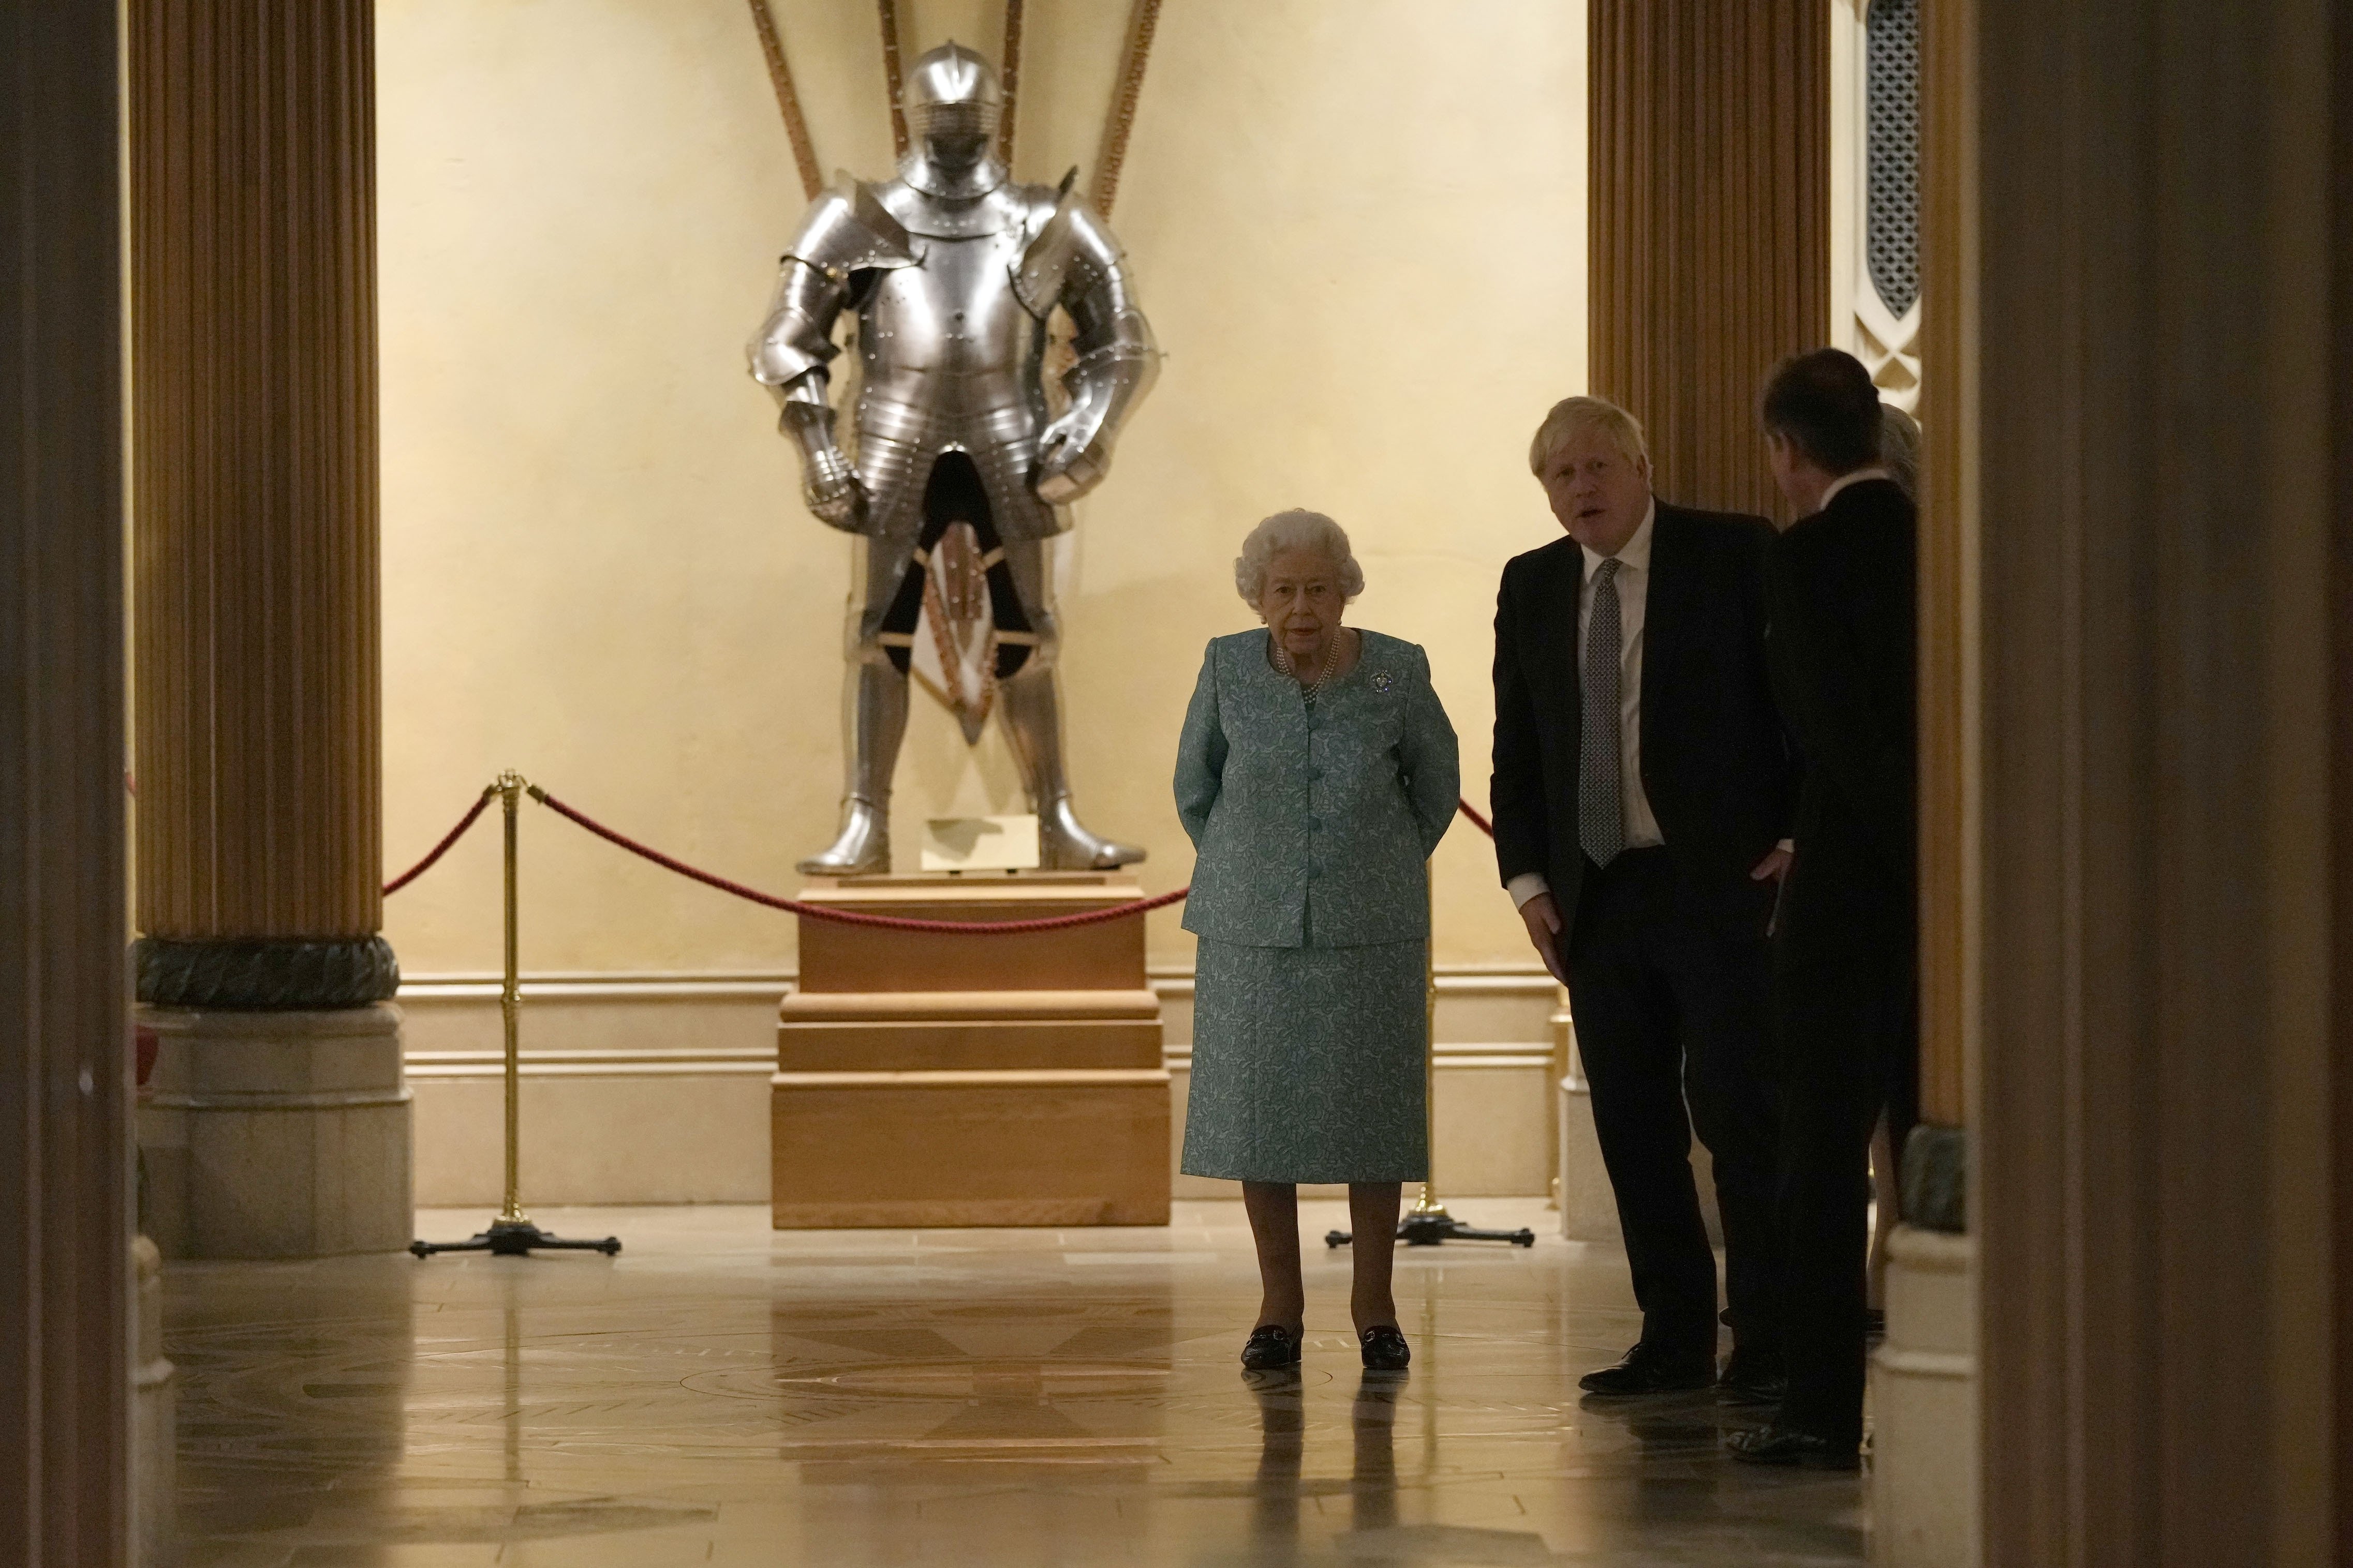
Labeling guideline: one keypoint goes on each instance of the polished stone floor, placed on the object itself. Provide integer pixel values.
(720, 1394)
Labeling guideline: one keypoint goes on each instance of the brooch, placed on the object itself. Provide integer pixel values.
(1381, 681)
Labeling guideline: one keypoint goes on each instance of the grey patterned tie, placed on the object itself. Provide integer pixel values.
(1601, 800)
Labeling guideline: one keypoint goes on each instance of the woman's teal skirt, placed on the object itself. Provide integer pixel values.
(1307, 1064)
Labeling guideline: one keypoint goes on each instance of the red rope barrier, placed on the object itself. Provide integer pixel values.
(852, 916)
(797, 907)
(455, 834)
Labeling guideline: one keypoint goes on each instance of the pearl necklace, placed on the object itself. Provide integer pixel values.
(1312, 689)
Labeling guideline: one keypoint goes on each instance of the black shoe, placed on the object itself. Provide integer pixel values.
(1271, 1348)
(1647, 1370)
(1788, 1447)
(1385, 1348)
(1752, 1378)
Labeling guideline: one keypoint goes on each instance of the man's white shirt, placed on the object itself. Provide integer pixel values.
(1633, 589)
(1843, 480)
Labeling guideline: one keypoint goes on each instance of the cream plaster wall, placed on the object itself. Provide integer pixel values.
(1359, 231)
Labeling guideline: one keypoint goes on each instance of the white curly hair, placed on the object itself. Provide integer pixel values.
(1297, 529)
(1899, 448)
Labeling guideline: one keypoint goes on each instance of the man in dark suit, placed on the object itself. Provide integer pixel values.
(1641, 788)
(1843, 604)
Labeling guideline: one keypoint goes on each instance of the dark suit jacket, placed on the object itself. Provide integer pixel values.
(1844, 629)
(1715, 762)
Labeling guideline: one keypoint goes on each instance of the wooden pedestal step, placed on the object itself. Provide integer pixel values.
(927, 1080)
(954, 1031)
(1107, 956)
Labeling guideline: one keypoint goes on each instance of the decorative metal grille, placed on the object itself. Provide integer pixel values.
(1891, 235)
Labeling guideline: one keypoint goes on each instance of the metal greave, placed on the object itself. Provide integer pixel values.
(873, 723)
(1029, 708)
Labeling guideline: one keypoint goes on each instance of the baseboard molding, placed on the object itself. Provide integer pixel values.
(745, 1062)
(753, 1062)
(627, 985)
(683, 1059)
(1453, 1055)
(437, 1004)
(613, 986)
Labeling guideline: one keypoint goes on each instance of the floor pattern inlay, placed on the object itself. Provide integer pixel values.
(725, 1395)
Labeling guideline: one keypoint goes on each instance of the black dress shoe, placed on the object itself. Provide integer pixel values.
(1385, 1348)
(1752, 1378)
(1647, 1369)
(1789, 1448)
(1271, 1348)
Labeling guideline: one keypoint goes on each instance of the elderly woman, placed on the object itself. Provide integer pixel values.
(1315, 774)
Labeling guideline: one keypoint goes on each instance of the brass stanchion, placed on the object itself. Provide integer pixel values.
(512, 1235)
(1427, 1224)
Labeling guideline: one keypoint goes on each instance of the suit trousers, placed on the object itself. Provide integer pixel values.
(1674, 1026)
(1848, 1018)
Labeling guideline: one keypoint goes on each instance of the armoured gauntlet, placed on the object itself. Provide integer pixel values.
(829, 485)
(1070, 460)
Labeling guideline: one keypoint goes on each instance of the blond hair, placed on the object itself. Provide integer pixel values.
(1572, 416)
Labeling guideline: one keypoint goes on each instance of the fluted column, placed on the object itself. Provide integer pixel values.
(255, 494)
(1952, 744)
(65, 1153)
(1924, 1376)
(2160, 408)
(1709, 168)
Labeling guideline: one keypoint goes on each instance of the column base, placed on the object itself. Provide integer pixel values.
(1588, 1202)
(277, 1135)
(155, 1446)
(1924, 1396)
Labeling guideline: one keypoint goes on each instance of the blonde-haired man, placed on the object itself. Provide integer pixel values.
(1641, 793)
(1573, 418)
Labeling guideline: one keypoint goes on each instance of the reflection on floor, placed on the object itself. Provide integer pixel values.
(723, 1395)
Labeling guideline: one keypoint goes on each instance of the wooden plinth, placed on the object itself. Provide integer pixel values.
(927, 1079)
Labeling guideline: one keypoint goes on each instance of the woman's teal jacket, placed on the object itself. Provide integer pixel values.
(1312, 824)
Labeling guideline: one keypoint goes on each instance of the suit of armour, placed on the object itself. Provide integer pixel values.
(952, 272)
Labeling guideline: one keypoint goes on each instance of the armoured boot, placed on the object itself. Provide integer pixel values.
(1033, 724)
(874, 720)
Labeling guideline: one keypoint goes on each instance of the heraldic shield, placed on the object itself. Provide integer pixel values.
(958, 623)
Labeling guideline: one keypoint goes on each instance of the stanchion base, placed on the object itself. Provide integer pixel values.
(515, 1238)
(1431, 1227)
